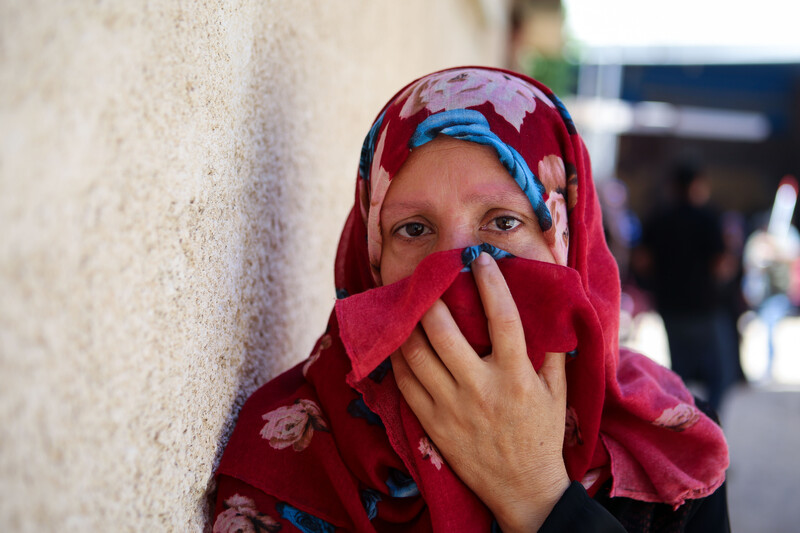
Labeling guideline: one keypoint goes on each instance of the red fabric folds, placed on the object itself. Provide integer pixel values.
(548, 305)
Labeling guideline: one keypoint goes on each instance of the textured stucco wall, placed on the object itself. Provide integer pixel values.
(173, 178)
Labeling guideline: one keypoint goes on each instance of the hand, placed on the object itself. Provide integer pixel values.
(499, 425)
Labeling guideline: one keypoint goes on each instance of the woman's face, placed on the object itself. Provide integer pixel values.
(453, 194)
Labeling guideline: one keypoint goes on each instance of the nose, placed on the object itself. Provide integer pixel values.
(456, 236)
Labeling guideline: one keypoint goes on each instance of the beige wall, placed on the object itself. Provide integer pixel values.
(173, 179)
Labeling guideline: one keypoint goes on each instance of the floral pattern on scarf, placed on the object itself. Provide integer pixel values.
(303, 521)
(429, 452)
(293, 425)
(678, 418)
(572, 430)
(323, 344)
(553, 176)
(242, 516)
(510, 98)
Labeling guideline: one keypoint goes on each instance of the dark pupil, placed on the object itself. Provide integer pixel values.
(415, 229)
(505, 223)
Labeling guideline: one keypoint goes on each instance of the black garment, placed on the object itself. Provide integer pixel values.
(684, 241)
(706, 515)
(701, 349)
(577, 512)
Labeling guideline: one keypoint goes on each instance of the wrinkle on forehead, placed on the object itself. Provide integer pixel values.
(506, 194)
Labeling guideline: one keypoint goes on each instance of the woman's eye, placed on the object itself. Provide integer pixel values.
(412, 229)
(506, 223)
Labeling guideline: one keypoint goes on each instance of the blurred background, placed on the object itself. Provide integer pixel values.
(691, 114)
(174, 177)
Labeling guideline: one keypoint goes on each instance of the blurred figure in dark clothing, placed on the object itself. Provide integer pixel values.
(732, 298)
(683, 259)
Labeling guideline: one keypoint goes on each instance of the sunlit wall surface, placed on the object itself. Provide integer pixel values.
(173, 180)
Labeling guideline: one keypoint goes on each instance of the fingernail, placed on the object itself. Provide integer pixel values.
(483, 259)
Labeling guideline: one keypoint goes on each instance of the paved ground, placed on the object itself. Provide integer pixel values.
(762, 424)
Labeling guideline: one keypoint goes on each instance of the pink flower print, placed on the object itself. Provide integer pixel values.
(324, 343)
(552, 173)
(678, 418)
(558, 234)
(511, 97)
(378, 185)
(572, 430)
(572, 186)
(293, 425)
(429, 451)
(242, 516)
(363, 198)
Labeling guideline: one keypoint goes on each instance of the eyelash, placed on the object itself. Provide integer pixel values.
(402, 230)
(406, 225)
(505, 217)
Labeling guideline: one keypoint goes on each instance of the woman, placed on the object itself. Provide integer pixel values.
(441, 398)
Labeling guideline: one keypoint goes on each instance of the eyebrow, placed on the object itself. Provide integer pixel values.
(502, 196)
(402, 207)
(497, 197)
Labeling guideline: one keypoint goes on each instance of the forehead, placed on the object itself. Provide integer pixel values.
(449, 169)
(446, 159)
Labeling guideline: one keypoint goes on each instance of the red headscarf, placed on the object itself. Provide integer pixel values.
(333, 443)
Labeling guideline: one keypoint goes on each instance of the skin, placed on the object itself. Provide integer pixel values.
(498, 423)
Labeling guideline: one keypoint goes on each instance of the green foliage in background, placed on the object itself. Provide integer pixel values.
(558, 73)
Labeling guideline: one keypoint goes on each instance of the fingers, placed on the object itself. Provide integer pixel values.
(446, 339)
(505, 326)
(425, 365)
(553, 373)
(412, 390)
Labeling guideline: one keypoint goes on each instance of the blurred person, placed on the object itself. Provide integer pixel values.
(731, 295)
(684, 260)
(441, 398)
(623, 231)
(771, 259)
(622, 226)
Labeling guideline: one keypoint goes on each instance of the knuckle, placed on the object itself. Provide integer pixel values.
(507, 325)
(520, 388)
(507, 320)
(446, 342)
(414, 354)
(403, 382)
